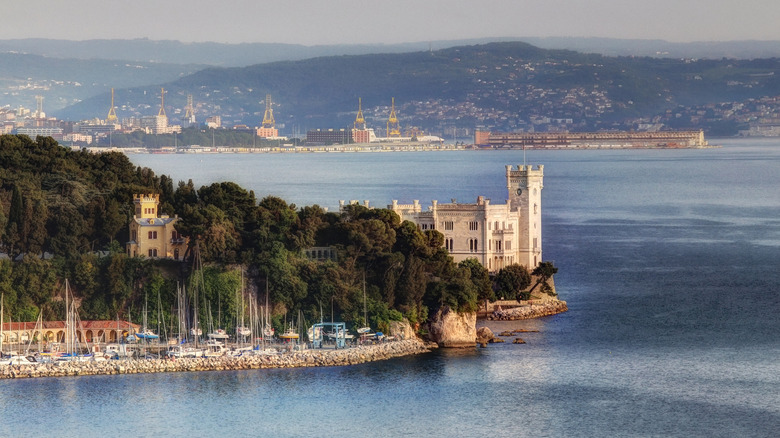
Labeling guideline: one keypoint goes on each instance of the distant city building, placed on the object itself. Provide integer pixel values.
(267, 132)
(33, 132)
(77, 138)
(214, 122)
(329, 136)
(363, 135)
(562, 140)
(94, 129)
(151, 235)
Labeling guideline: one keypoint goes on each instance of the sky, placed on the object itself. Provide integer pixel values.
(317, 22)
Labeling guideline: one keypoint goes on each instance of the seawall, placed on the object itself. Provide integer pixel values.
(306, 358)
(546, 308)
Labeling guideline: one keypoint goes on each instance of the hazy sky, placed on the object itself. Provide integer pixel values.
(313, 22)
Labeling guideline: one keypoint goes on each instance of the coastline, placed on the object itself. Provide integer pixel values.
(536, 310)
(305, 358)
(362, 148)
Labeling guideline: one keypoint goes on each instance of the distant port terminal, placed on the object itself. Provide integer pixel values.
(591, 140)
(96, 135)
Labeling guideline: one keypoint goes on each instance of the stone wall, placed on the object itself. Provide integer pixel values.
(530, 311)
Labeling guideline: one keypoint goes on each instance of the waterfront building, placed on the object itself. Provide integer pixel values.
(26, 333)
(154, 235)
(329, 136)
(263, 132)
(497, 235)
(573, 140)
(363, 135)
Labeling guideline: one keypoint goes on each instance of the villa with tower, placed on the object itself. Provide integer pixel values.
(153, 235)
(497, 235)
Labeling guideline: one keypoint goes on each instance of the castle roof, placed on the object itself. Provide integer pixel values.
(155, 221)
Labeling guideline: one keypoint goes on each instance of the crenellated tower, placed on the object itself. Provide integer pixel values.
(146, 205)
(525, 186)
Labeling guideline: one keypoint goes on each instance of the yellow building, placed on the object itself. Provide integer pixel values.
(154, 235)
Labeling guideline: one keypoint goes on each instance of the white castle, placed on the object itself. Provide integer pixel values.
(497, 235)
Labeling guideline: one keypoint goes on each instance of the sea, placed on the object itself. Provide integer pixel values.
(669, 261)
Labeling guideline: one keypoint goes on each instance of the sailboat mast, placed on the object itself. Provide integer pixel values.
(2, 313)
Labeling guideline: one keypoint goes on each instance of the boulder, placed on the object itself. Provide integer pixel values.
(484, 335)
(449, 329)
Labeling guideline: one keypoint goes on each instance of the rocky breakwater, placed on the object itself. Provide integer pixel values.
(450, 329)
(305, 358)
(529, 311)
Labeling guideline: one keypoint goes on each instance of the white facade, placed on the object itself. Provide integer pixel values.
(497, 235)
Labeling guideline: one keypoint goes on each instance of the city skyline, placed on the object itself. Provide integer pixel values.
(310, 22)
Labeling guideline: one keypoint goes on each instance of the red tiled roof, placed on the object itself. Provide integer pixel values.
(86, 325)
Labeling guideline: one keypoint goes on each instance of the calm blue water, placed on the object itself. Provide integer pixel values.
(669, 261)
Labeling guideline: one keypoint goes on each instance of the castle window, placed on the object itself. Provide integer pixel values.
(152, 235)
(449, 225)
(152, 252)
(496, 226)
(473, 226)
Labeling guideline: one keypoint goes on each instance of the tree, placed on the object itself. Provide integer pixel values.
(543, 273)
(480, 277)
(512, 280)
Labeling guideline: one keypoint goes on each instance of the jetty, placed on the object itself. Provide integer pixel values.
(295, 359)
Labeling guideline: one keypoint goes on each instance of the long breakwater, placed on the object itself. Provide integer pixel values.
(305, 358)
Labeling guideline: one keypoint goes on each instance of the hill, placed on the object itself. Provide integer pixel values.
(63, 215)
(66, 81)
(503, 86)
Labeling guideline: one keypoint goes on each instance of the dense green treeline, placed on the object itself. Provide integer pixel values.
(65, 215)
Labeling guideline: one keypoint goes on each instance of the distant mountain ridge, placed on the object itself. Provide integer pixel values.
(509, 85)
(237, 55)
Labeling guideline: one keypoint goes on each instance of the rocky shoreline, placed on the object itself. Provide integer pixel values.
(531, 311)
(305, 358)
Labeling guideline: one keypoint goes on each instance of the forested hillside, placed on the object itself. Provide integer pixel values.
(75, 208)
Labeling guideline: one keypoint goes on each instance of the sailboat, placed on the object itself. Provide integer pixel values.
(365, 328)
(145, 333)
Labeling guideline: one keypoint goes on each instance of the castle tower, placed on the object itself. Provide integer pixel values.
(146, 205)
(525, 197)
(111, 118)
(393, 128)
(151, 234)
